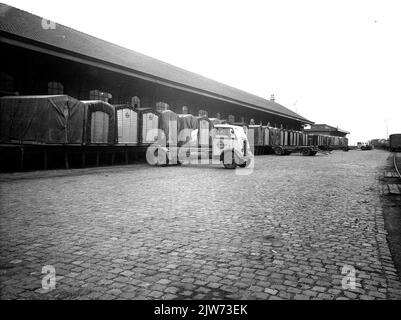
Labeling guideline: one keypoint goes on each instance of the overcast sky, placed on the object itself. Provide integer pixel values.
(335, 62)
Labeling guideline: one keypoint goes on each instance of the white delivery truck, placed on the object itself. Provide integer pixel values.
(228, 144)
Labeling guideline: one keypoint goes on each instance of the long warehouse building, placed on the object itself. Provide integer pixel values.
(40, 57)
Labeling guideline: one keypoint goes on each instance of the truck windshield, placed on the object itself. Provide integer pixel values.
(224, 132)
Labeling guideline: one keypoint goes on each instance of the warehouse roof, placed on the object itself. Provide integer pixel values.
(325, 127)
(28, 27)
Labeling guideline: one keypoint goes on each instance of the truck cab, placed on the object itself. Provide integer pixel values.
(230, 145)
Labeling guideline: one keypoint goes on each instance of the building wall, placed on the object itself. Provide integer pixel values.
(32, 71)
(328, 133)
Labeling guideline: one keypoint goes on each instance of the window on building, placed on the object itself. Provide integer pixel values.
(100, 95)
(6, 83)
(54, 87)
(162, 106)
(184, 110)
(203, 113)
(136, 102)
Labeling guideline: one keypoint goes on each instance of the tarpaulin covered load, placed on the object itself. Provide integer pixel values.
(100, 127)
(255, 135)
(127, 124)
(169, 126)
(186, 124)
(148, 125)
(57, 119)
(274, 136)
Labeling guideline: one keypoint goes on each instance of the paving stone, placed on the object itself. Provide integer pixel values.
(292, 226)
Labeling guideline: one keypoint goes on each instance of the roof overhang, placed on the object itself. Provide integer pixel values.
(30, 44)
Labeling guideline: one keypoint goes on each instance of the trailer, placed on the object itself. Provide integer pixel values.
(395, 142)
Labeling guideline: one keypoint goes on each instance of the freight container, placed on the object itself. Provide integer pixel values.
(257, 135)
(148, 125)
(100, 123)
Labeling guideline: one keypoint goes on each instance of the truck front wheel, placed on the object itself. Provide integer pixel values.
(243, 165)
(229, 160)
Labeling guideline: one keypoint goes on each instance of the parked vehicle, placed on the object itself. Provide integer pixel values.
(34, 120)
(364, 146)
(395, 142)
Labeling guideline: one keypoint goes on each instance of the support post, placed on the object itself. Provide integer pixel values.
(113, 154)
(67, 165)
(83, 159)
(21, 164)
(45, 158)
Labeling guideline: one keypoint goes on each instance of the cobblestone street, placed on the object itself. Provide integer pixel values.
(201, 232)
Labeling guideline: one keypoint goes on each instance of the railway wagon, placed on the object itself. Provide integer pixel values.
(244, 126)
(214, 121)
(100, 123)
(52, 120)
(328, 143)
(127, 124)
(284, 142)
(395, 142)
(204, 126)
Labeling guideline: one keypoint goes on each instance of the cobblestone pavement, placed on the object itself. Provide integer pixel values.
(139, 232)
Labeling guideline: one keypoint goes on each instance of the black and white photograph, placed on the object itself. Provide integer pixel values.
(221, 152)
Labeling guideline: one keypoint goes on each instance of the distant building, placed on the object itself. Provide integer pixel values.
(327, 130)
